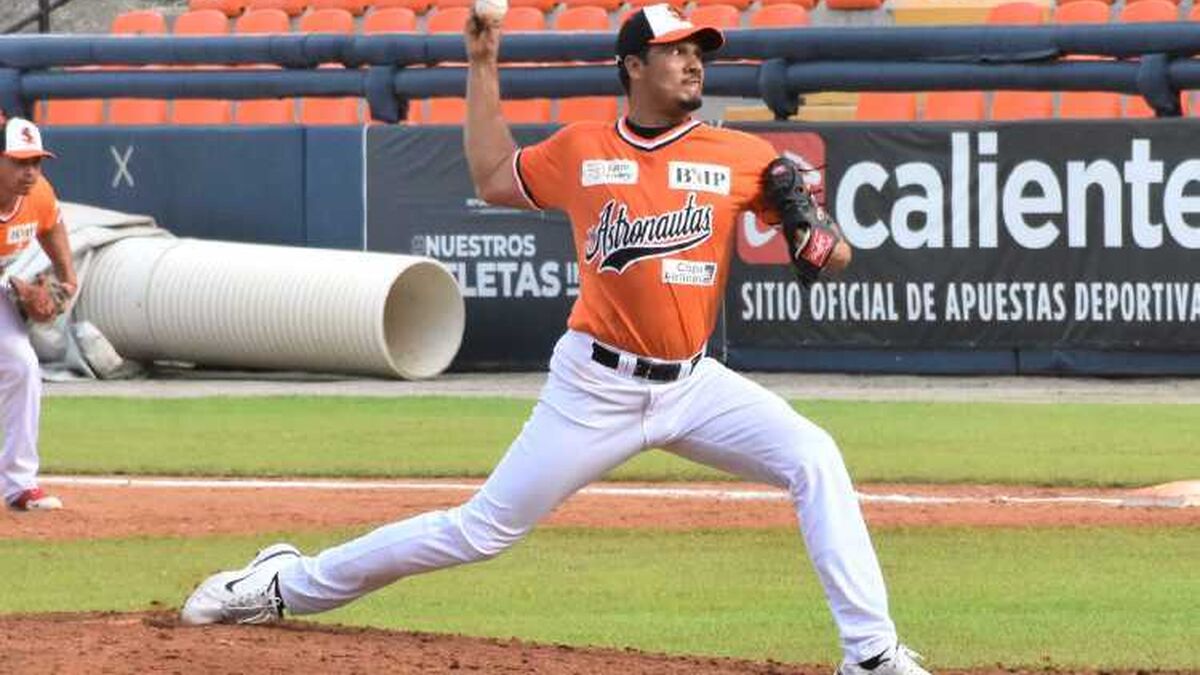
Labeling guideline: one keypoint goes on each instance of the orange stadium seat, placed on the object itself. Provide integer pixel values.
(603, 108)
(123, 111)
(1194, 13)
(390, 20)
(541, 5)
(1086, 104)
(533, 110)
(417, 6)
(139, 22)
(780, 16)
(315, 110)
(606, 5)
(394, 20)
(1017, 14)
(677, 4)
(447, 110)
(447, 4)
(885, 106)
(736, 4)
(265, 111)
(201, 111)
(72, 112)
(806, 4)
(289, 7)
(853, 4)
(954, 106)
(1020, 105)
(355, 7)
(1145, 11)
(226, 7)
(717, 16)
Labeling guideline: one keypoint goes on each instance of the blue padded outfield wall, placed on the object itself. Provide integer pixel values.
(1035, 247)
(286, 185)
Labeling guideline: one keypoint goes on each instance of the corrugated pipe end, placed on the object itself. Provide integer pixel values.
(423, 321)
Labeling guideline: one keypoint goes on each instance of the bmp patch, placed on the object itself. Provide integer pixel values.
(608, 172)
(688, 272)
(692, 176)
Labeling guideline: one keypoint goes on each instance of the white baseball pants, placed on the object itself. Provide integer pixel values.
(20, 402)
(590, 419)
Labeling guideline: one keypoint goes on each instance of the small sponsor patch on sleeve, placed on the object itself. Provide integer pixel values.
(688, 272)
(608, 172)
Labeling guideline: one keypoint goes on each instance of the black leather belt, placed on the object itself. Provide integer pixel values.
(650, 370)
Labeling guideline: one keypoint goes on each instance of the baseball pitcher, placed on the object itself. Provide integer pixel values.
(28, 211)
(653, 200)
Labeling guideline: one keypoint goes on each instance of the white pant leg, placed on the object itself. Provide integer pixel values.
(719, 418)
(20, 398)
(587, 421)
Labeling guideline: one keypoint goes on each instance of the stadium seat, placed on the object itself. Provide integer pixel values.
(72, 112)
(954, 106)
(677, 4)
(606, 5)
(1145, 11)
(447, 110)
(417, 6)
(264, 111)
(853, 4)
(139, 22)
(780, 16)
(582, 18)
(736, 4)
(717, 16)
(1019, 13)
(1082, 11)
(124, 111)
(1194, 13)
(355, 7)
(201, 111)
(449, 4)
(390, 20)
(883, 106)
(226, 7)
(289, 7)
(534, 110)
(806, 4)
(546, 6)
(324, 110)
(603, 108)
(1020, 105)
(1086, 104)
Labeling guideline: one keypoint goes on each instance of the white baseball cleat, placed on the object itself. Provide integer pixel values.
(899, 660)
(248, 595)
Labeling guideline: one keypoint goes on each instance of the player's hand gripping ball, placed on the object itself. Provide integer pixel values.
(492, 11)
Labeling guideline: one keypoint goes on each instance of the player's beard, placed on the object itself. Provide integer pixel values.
(690, 104)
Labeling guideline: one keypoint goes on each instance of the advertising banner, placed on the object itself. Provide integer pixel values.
(516, 268)
(1020, 236)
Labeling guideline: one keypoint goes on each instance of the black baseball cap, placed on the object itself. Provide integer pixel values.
(659, 25)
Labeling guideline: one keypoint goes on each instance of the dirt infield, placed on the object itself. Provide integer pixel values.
(154, 642)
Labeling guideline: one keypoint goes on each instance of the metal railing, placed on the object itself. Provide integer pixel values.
(41, 17)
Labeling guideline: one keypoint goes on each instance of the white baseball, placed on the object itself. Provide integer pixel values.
(491, 10)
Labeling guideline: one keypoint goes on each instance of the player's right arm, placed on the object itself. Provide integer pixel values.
(488, 142)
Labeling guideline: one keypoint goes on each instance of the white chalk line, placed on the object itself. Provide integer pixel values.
(709, 494)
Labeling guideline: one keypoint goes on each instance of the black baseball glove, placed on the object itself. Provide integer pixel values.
(810, 232)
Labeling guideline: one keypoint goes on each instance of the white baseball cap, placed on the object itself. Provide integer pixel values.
(23, 140)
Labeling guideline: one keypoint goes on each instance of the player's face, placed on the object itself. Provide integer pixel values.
(17, 176)
(674, 76)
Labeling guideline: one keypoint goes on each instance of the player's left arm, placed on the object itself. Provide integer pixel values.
(57, 246)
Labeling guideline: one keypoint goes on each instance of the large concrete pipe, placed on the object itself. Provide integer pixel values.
(275, 307)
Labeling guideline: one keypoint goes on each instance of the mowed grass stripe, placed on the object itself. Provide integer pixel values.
(1100, 598)
(1018, 443)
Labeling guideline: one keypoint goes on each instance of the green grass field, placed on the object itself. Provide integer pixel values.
(1070, 597)
(1064, 445)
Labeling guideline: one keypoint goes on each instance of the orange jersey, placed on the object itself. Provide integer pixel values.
(34, 214)
(653, 222)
